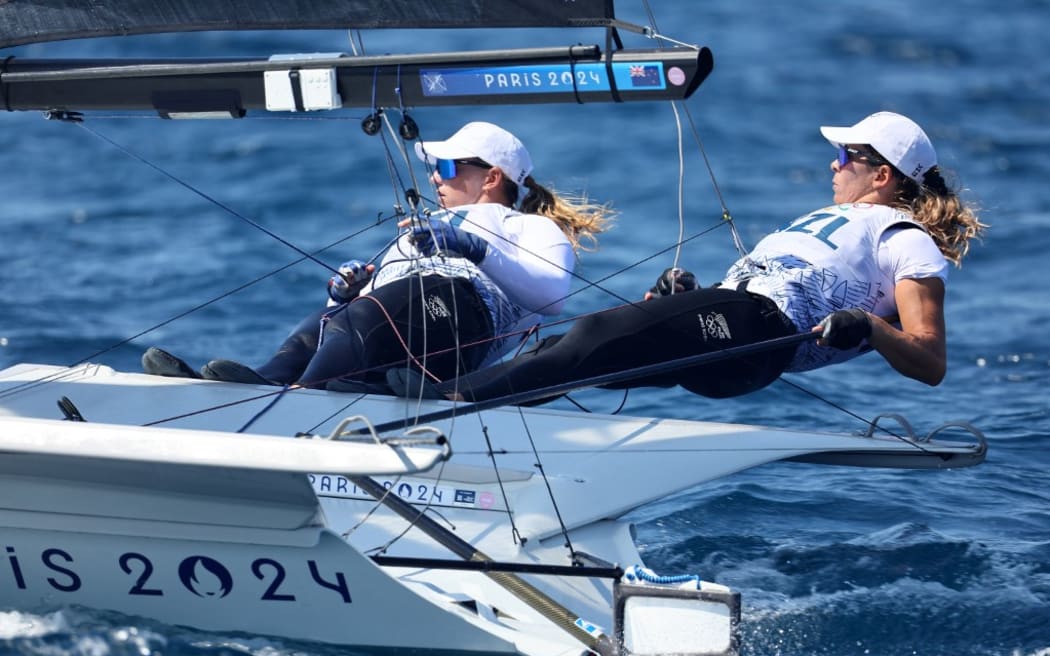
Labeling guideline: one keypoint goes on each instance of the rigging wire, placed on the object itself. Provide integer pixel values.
(550, 492)
(681, 188)
(45, 379)
(427, 507)
(408, 192)
(409, 131)
(373, 125)
(654, 33)
(355, 44)
(491, 452)
(413, 199)
(583, 408)
(211, 199)
(305, 255)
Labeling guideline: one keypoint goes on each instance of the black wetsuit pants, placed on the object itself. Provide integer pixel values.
(660, 330)
(433, 322)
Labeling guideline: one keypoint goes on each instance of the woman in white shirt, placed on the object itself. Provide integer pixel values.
(454, 291)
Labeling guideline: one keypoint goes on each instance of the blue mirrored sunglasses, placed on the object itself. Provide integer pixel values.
(847, 155)
(446, 168)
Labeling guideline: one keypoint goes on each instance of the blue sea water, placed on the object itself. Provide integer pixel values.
(97, 247)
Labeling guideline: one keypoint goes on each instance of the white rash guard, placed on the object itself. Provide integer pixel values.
(526, 273)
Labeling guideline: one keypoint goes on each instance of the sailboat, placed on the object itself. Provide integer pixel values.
(238, 508)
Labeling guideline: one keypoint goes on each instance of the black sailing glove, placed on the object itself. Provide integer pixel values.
(846, 329)
(432, 236)
(674, 278)
(353, 275)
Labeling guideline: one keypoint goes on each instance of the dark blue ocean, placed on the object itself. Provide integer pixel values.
(102, 255)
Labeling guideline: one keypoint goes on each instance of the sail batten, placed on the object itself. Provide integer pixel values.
(33, 21)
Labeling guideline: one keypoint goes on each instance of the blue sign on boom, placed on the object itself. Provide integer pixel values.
(540, 78)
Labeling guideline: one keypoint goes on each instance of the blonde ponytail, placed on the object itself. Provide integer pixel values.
(580, 220)
(951, 222)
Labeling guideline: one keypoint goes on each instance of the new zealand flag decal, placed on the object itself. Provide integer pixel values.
(645, 76)
(465, 496)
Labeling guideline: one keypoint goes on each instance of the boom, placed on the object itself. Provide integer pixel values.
(178, 87)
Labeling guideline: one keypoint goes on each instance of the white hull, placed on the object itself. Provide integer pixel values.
(192, 523)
